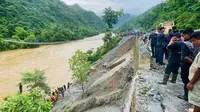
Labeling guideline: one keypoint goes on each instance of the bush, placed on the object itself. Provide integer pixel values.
(29, 102)
(35, 79)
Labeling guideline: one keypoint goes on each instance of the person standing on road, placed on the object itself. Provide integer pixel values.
(153, 41)
(194, 76)
(174, 48)
(188, 53)
(161, 45)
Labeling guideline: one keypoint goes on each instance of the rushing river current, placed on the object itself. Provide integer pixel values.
(53, 59)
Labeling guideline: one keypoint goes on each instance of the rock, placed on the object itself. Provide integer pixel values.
(92, 69)
(105, 109)
(115, 64)
(83, 104)
(151, 92)
(144, 89)
(105, 64)
(158, 97)
(102, 100)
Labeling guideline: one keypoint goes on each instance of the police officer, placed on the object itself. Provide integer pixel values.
(153, 40)
(161, 45)
(174, 48)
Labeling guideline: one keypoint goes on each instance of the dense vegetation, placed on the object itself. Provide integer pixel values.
(185, 13)
(45, 21)
(28, 102)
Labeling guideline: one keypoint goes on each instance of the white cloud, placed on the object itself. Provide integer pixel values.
(130, 6)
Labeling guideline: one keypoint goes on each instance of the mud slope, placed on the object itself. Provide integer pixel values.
(108, 84)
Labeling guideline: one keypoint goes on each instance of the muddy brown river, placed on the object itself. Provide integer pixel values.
(53, 59)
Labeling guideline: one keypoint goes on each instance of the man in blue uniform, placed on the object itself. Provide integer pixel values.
(161, 45)
(153, 39)
(174, 48)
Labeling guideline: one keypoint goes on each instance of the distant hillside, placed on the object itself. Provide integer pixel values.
(185, 13)
(123, 19)
(45, 21)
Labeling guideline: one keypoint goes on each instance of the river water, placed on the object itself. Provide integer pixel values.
(53, 59)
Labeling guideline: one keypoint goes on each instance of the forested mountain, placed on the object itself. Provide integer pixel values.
(185, 13)
(45, 21)
(123, 19)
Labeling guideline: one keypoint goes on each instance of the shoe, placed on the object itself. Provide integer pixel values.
(161, 63)
(165, 79)
(173, 81)
(182, 97)
(174, 77)
(163, 83)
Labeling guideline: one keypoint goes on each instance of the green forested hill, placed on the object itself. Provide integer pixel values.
(46, 21)
(123, 19)
(185, 13)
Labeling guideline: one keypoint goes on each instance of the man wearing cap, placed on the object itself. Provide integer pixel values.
(174, 48)
(153, 39)
(161, 45)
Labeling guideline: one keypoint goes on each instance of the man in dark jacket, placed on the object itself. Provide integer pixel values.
(161, 45)
(153, 39)
(174, 48)
(189, 52)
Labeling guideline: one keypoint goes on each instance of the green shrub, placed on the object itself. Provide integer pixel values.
(28, 102)
(34, 79)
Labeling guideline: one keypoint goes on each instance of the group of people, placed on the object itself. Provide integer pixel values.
(55, 94)
(182, 50)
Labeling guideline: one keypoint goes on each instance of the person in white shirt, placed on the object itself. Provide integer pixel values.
(194, 76)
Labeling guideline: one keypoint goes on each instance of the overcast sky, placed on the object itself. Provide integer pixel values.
(134, 7)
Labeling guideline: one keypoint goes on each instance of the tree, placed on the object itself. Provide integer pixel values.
(30, 38)
(108, 37)
(34, 79)
(28, 102)
(111, 16)
(80, 66)
(21, 33)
